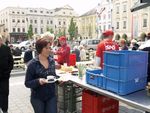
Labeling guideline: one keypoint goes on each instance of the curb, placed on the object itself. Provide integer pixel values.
(20, 73)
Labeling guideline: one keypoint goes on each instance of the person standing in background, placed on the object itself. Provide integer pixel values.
(107, 44)
(6, 65)
(28, 55)
(123, 44)
(63, 52)
(82, 53)
(76, 51)
(146, 47)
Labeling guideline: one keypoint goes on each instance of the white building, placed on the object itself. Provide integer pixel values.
(104, 16)
(16, 21)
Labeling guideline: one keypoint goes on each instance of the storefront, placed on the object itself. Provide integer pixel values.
(17, 37)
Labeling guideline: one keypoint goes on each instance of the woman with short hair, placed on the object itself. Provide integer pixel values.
(43, 98)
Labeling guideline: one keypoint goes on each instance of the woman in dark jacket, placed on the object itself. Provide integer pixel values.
(43, 97)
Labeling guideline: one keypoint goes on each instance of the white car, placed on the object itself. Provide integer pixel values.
(24, 45)
(90, 44)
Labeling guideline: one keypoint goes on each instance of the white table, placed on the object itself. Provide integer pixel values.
(138, 99)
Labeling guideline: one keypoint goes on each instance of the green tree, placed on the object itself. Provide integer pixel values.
(143, 36)
(124, 36)
(64, 32)
(72, 29)
(60, 33)
(117, 37)
(50, 29)
(30, 32)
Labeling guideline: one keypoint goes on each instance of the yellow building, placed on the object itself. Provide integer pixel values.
(87, 24)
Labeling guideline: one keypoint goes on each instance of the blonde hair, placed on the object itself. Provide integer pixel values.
(48, 36)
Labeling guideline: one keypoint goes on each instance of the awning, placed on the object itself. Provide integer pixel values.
(139, 6)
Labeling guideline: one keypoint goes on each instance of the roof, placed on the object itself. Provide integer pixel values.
(139, 6)
(91, 12)
(64, 7)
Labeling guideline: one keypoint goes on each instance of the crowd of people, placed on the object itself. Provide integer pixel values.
(41, 61)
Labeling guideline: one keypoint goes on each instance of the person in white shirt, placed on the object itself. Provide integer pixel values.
(82, 53)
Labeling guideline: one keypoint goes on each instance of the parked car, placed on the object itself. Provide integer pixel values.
(24, 45)
(90, 44)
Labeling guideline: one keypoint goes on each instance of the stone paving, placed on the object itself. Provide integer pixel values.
(19, 99)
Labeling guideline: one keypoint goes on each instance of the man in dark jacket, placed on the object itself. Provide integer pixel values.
(28, 55)
(6, 65)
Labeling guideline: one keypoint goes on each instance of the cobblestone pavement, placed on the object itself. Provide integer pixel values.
(19, 99)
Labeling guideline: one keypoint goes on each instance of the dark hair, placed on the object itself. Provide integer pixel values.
(40, 44)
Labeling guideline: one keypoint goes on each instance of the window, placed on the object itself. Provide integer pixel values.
(31, 21)
(41, 30)
(35, 21)
(117, 25)
(18, 21)
(117, 10)
(59, 23)
(124, 24)
(23, 29)
(18, 29)
(109, 16)
(90, 42)
(51, 12)
(35, 30)
(124, 8)
(47, 22)
(22, 12)
(63, 12)
(104, 27)
(64, 23)
(13, 20)
(41, 21)
(13, 12)
(31, 11)
(47, 12)
(144, 22)
(41, 11)
(35, 11)
(14, 30)
(51, 22)
(23, 21)
(109, 26)
(18, 13)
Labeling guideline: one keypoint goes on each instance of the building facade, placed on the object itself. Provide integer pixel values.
(15, 21)
(104, 16)
(87, 24)
(133, 24)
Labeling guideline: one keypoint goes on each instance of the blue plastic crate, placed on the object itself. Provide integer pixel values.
(125, 65)
(94, 77)
(124, 88)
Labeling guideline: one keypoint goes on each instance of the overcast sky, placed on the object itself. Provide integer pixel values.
(80, 6)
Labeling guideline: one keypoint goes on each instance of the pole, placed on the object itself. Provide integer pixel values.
(131, 26)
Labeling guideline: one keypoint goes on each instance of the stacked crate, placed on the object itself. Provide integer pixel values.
(125, 71)
(94, 103)
(67, 97)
